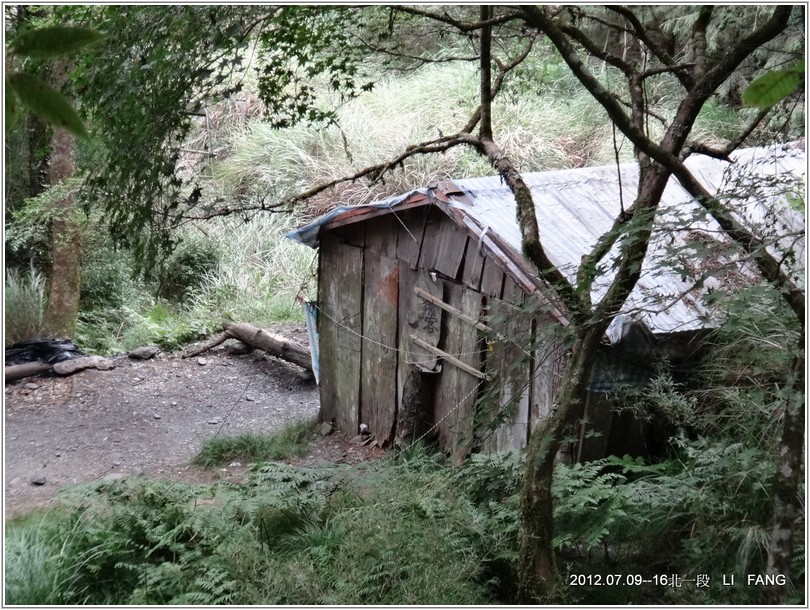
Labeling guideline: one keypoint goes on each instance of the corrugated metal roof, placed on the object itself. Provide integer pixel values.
(575, 207)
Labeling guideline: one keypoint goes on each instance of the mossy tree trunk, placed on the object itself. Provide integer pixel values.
(62, 309)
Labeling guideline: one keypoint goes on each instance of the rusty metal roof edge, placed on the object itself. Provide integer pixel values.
(309, 234)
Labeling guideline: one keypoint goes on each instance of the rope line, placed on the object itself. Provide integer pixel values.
(339, 323)
(390, 347)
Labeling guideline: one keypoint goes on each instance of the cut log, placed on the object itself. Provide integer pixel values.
(19, 371)
(206, 346)
(272, 344)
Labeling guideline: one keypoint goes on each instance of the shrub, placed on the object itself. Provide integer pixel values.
(186, 268)
(24, 304)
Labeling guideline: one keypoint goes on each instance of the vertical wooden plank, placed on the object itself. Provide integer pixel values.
(548, 366)
(448, 252)
(379, 356)
(340, 325)
(457, 391)
(411, 228)
(432, 237)
(353, 234)
(473, 265)
(381, 235)
(511, 364)
(492, 277)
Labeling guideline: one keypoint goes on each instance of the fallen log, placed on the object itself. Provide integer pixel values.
(270, 343)
(275, 345)
(20, 371)
(220, 338)
(68, 367)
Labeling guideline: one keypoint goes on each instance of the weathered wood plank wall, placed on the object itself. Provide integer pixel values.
(456, 392)
(340, 325)
(513, 365)
(379, 358)
(369, 274)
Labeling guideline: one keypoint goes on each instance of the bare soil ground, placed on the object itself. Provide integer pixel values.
(150, 418)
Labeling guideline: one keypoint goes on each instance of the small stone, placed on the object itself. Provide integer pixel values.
(156, 416)
(174, 403)
(31, 386)
(40, 480)
(202, 361)
(58, 455)
(238, 348)
(249, 398)
(235, 464)
(326, 428)
(306, 376)
(144, 353)
(114, 476)
(213, 422)
(116, 463)
(105, 365)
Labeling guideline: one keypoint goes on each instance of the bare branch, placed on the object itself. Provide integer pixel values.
(738, 141)
(663, 70)
(767, 265)
(486, 74)
(527, 220)
(460, 25)
(538, 17)
(665, 58)
(591, 47)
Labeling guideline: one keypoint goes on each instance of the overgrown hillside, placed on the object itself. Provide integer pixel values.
(242, 268)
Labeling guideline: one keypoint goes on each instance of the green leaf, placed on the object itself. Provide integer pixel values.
(53, 41)
(12, 108)
(47, 103)
(772, 87)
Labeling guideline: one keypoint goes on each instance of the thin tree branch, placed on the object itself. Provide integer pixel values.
(681, 73)
(527, 220)
(486, 74)
(459, 25)
(594, 49)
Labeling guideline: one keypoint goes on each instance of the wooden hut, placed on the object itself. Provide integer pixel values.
(421, 301)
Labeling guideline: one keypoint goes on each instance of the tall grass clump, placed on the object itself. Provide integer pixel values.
(33, 571)
(539, 131)
(260, 271)
(291, 441)
(25, 300)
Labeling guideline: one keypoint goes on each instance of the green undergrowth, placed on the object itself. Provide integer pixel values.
(405, 530)
(291, 441)
(408, 529)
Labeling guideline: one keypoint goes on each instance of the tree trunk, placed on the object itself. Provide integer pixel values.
(537, 570)
(787, 509)
(66, 247)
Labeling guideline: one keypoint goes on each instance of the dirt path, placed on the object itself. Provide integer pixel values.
(143, 417)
